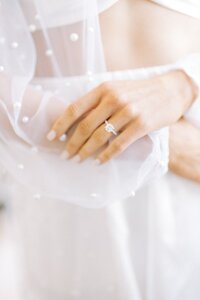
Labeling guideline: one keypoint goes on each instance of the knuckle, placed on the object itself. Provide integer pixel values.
(111, 100)
(117, 147)
(84, 128)
(72, 111)
(98, 138)
(84, 152)
(106, 156)
(128, 112)
(71, 147)
(114, 98)
(112, 95)
(59, 125)
(142, 123)
(106, 86)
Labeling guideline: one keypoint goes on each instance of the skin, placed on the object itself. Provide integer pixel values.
(143, 29)
(185, 161)
(130, 105)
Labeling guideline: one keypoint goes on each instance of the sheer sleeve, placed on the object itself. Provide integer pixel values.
(191, 65)
(74, 64)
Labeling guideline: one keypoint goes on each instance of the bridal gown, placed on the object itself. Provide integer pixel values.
(120, 231)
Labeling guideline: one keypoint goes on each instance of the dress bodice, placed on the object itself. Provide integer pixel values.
(188, 7)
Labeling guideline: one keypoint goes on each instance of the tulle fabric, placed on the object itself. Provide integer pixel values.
(143, 248)
(70, 58)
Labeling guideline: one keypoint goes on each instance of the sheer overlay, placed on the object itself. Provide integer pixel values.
(71, 55)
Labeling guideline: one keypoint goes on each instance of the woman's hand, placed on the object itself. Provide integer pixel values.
(134, 107)
(185, 150)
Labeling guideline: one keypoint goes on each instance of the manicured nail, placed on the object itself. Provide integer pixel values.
(76, 158)
(63, 138)
(64, 155)
(51, 135)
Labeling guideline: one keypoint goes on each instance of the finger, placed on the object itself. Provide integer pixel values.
(132, 133)
(87, 126)
(100, 137)
(73, 112)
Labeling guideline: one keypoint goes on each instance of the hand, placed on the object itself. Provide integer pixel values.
(134, 107)
(185, 150)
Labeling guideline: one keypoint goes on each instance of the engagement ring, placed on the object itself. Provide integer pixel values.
(110, 128)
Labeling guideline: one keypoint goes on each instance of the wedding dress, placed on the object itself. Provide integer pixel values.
(117, 231)
(188, 7)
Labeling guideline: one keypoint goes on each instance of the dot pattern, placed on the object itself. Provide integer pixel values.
(74, 37)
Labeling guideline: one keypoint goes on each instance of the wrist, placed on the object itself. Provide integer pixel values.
(192, 88)
(181, 87)
(185, 160)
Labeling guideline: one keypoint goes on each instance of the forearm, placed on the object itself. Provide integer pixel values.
(185, 134)
(184, 142)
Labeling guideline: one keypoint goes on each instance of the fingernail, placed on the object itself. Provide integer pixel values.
(64, 155)
(97, 162)
(63, 138)
(76, 158)
(51, 135)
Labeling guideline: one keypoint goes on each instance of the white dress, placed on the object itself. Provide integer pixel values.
(143, 246)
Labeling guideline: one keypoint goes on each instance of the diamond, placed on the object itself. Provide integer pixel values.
(110, 128)
(63, 138)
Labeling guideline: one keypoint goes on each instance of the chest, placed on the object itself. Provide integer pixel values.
(140, 33)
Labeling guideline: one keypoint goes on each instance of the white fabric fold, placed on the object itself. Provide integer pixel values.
(30, 105)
